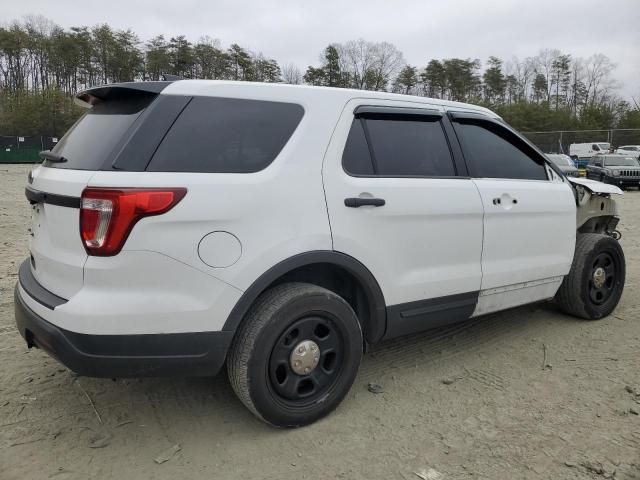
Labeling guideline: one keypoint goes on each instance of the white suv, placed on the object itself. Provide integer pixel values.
(283, 229)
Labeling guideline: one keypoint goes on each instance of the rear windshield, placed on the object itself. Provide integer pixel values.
(92, 139)
(226, 135)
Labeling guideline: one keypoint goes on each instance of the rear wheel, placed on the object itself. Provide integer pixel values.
(296, 354)
(594, 285)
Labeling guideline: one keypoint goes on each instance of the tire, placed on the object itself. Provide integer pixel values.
(579, 294)
(261, 359)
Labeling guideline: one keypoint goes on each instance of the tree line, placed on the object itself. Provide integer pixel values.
(42, 65)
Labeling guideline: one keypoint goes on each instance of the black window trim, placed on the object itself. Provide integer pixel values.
(151, 126)
(366, 110)
(479, 119)
(362, 112)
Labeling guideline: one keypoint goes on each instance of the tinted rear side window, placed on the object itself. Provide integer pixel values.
(93, 138)
(226, 135)
(410, 147)
(401, 146)
(356, 158)
(494, 155)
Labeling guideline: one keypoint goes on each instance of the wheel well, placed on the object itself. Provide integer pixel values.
(334, 271)
(338, 280)
(603, 224)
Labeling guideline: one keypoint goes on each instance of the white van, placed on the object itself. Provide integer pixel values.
(584, 151)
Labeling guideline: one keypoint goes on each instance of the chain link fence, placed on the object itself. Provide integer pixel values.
(559, 141)
(24, 149)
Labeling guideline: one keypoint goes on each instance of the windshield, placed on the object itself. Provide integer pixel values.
(604, 146)
(561, 160)
(621, 162)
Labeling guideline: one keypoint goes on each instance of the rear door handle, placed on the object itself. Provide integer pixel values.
(356, 202)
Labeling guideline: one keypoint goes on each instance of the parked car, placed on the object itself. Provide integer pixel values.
(281, 230)
(564, 163)
(629, 150)
(581, 153)
(620, 170)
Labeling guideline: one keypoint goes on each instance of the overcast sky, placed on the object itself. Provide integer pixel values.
(296, 31)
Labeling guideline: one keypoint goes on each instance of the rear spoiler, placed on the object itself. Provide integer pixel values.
(113, 91)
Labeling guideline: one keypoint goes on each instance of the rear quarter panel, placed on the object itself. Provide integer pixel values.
(275, 213)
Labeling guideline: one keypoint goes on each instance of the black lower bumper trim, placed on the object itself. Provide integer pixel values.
(111, 356)
(619, 182)
(35, 290)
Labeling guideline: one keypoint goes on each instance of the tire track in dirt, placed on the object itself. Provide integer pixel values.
(441, 345)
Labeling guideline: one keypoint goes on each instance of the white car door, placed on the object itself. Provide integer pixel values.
(400, 202)
(529, 215)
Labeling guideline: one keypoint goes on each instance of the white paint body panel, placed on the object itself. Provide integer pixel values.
(424, 243)
(532, 239)
(141, 293)
(55, 244)
(596, 187)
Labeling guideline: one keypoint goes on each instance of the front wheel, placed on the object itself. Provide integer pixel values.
(594, 285)
(296, 355)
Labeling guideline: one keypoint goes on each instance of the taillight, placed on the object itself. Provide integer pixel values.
(107, 215)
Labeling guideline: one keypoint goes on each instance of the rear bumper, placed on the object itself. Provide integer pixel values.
(135, 355)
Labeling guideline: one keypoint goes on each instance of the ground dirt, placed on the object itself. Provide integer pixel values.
(476, 400)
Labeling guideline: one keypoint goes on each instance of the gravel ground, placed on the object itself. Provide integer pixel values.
(474, 400)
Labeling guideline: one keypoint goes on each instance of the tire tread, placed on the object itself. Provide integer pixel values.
(568, 296)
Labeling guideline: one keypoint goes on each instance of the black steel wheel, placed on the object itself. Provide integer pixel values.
(306, 359)
(602, 281)
(296, 354)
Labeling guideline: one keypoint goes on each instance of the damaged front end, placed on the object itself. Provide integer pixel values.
(597, 212)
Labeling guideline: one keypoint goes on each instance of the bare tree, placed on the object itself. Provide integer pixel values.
(523, 72)
(370, 66)
(291, 74)
(598, 81)
(544, 65)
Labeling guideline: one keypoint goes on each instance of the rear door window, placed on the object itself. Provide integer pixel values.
(226, 135)
(92, 139)
(356, 158)
(412, 146)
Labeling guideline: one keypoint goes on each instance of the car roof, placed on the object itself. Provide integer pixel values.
(304, 94)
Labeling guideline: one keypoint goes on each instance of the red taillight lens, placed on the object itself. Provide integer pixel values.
(107, 215)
